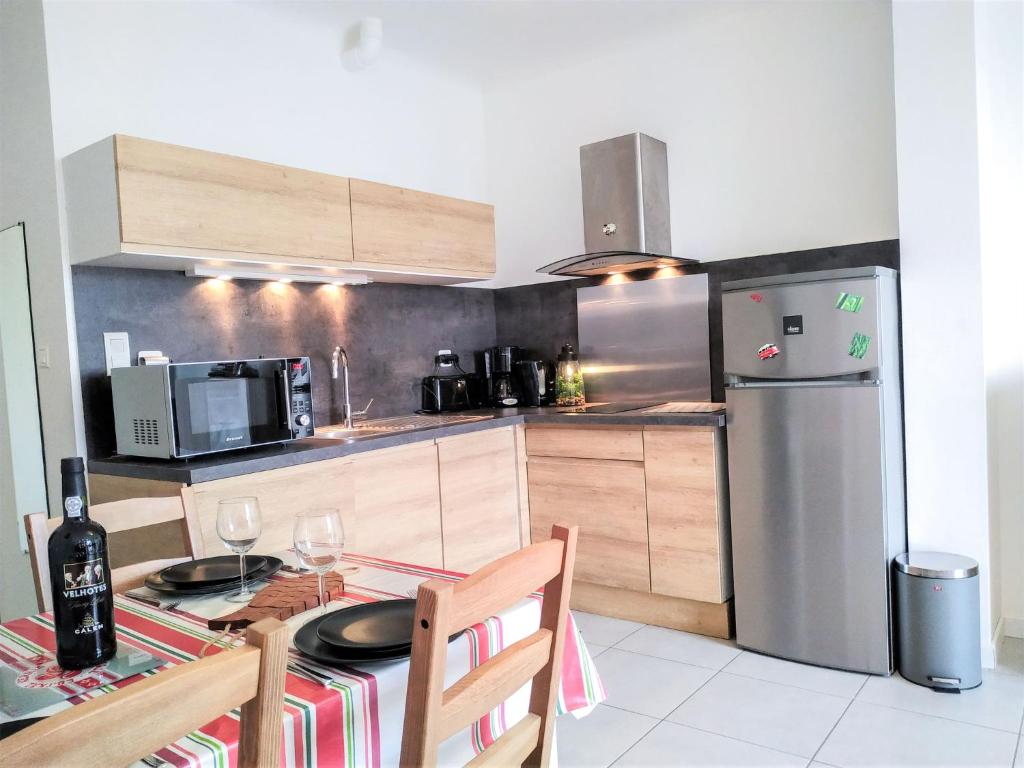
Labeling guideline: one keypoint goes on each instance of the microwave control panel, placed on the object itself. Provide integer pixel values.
(300, 387)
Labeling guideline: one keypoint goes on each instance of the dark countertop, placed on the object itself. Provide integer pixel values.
(245, 462)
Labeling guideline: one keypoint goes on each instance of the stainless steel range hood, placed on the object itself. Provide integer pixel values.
(625, 208)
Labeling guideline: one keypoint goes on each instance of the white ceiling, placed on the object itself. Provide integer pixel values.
(491, 40)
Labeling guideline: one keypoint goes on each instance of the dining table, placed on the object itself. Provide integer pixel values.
(334, 715)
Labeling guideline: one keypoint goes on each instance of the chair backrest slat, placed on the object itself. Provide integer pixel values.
(432, 713)
(512, 747)
(501, 583)
(484, 688)
(115, 517)
(121, 727)
(128, 514)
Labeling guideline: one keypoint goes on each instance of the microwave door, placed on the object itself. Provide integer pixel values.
(212, 414)
(220, 407)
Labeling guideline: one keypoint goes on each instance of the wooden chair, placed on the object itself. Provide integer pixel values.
(117, 516)
(432, 714)
(124, 726)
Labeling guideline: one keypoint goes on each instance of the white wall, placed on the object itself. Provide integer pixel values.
(940, 256)
(999, 56)
(22, 485)
(778, 118)
(28, 193)
(258, 80)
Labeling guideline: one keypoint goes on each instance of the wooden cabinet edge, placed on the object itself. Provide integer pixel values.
(724, 516)
(522, 486)
(540, 458)
(712, 619)
(93, 221)
(180, 257)
(603, 427)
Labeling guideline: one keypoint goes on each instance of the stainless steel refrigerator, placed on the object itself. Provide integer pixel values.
(815, 463)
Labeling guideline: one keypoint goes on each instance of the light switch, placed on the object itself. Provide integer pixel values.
(43, 357)
(116, 347)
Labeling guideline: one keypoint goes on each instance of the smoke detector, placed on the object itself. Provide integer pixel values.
(363, 44)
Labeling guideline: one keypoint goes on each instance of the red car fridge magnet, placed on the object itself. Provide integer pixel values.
(767, 352)
(756, 297)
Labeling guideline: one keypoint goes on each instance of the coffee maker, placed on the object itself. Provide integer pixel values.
(536, 382)
(501, 387)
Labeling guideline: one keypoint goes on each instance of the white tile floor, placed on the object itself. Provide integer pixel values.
(676, 699)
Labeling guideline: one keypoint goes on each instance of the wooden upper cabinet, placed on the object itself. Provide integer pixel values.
(479, 498)
(686, 514)
(188, 198)
(134, 202)
(392, 225)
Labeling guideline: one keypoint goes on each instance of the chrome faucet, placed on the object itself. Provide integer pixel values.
(340, 355)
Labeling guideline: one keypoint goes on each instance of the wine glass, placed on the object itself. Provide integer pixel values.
(319, 539)
(239, 525)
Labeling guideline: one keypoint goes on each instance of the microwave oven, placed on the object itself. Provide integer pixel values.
(181, 410)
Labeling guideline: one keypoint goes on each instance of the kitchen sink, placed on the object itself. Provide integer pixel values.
(393, 425)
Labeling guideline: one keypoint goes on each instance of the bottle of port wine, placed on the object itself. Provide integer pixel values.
(83, 602)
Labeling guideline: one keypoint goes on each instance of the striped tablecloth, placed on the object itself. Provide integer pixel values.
(347, 716)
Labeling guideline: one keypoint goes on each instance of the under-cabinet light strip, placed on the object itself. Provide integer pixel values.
(280, 277)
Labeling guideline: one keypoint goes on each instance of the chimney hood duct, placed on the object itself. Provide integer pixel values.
(625, 208)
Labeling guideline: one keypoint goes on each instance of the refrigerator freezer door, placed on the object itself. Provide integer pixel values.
(802, 331)
(806, 471)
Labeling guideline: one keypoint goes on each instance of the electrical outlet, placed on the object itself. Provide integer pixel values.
(115, 345)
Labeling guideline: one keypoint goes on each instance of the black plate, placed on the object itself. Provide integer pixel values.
(375, 627)
(308, 643)
(13, 726)
(210, 570)
(156, 583)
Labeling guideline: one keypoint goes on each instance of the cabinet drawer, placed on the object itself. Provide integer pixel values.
(606, 499)
(585, 443)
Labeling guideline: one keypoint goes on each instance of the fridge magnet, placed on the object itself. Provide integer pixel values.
(859, 345)
(848, 302)
(756, 297)
(767, 352)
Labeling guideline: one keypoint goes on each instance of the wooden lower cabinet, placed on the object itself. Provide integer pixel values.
(652, 508)
(685, 515)
(282, 494)
(388, 500)
(606, 500)
(397, 511)
(480, 519)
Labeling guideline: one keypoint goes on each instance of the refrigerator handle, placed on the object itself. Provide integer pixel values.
(803, 383)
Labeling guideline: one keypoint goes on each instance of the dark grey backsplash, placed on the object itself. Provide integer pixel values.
(543, 317)
(391, 331)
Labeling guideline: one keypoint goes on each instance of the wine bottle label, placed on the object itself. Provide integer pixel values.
(83, 579)
(88, 626)
(73, 506)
